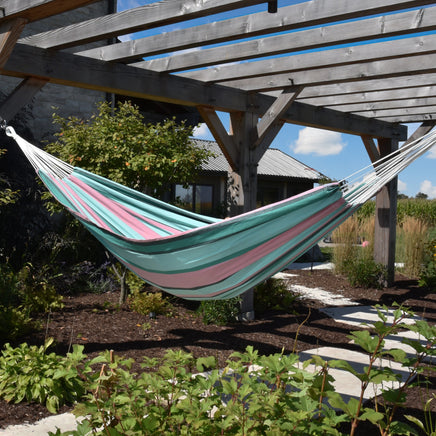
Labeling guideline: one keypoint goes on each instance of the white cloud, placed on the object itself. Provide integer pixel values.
(201, 131)
(427, 188)
(432, 153)
(318, 142)
(402, 186)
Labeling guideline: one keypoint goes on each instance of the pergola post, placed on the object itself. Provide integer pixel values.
(386, 217)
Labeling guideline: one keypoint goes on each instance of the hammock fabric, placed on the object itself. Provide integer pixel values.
(198, 257)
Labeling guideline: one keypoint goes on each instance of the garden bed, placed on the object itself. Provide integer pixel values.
(97, 322)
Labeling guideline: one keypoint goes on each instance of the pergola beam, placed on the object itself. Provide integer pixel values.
(20, 97)
(72, 70)
(33, 10)
(131, 20)
(350, 32)
(10, 31)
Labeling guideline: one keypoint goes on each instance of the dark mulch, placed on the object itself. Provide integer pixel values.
(99, 324)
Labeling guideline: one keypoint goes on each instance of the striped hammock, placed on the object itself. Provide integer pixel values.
(197, 257)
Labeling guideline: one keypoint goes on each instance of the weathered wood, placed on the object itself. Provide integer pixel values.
(222, 137)
(396, 96)
(410, 118)
(273, 115)
(33, 10)
(409, 65)
(20, 97)
(423, 129)
(419, 45)
(10, 31)
(385, 218)
(386, 104)
(350, 32)
(69, 69)
(287, 18)
(404, 111)
(371, 148)
(316, 95)
(153, 15)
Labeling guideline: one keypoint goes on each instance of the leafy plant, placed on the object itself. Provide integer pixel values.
(147, 303)
(273, 294)
(220, 312)
(30, 373)
(429, 425)
(428, 272)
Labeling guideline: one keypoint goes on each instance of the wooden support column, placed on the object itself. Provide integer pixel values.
(386, 217)
(20, 97)
(10, 31)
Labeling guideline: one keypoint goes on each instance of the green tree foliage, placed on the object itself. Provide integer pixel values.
(117, 144)
(7, 195)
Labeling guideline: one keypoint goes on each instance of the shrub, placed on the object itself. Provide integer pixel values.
(366, 272)
(428, 273)
(254, 394)
(220, 312)
(146, 303)
(15, 323)
(273, 294)
(30, 373)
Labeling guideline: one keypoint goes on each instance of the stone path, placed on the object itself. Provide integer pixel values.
(342, 310)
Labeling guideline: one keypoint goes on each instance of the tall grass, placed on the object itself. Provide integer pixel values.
(412, 235)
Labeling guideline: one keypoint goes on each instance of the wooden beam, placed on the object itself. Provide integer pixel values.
(371, 148)
(375, 106)
(311, 94)
(386, 69)
(385, 218)
(272, 118)
(422, 130)
(287, 18)
(396, 96)
(350, 32)
(410, 118)
(33, 10)
(225, 141)
(404, 111)
(72, 70)
(20, 97)
(9, 34)
(299, 64)
(160, 13)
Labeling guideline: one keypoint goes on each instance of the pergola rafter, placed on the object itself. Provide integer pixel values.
(368, 67)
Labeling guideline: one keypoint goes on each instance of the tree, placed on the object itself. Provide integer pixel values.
(117, 144)
(421, 196)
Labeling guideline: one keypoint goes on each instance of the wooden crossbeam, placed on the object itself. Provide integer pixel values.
(20, 97)
(349, 32)
(287, 18)
(423, 129)
(73, 70)
(371, 148)
(383, 69)
(410, 118)
(225, 141)
(389, 104)
(144, 17)
(299, 64)
(9, 34)
(33, 10)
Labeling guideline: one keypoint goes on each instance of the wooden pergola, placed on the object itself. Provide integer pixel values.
(358, 67)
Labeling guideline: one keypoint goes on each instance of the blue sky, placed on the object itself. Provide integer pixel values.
(334, 154)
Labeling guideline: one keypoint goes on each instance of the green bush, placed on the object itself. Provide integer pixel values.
(366, 272)
(30, 373)
(273, 294)
(220, 312)
(428, 273)
(15, 323)
(254, 394)
(146, 303)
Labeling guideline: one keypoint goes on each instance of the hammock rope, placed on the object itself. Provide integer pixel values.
(198, 257)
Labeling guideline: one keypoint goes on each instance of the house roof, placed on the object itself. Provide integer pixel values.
(274, 163)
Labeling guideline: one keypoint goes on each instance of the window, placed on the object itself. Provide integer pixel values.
(196, 198)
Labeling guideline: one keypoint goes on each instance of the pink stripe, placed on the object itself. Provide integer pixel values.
(221, 271)
(126, 215)
(79, 202)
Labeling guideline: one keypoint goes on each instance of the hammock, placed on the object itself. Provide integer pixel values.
(197, 257)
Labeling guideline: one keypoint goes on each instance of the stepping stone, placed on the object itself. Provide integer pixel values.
(358, 316)
(346, 383)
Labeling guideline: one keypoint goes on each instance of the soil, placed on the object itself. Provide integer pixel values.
(97, 322)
